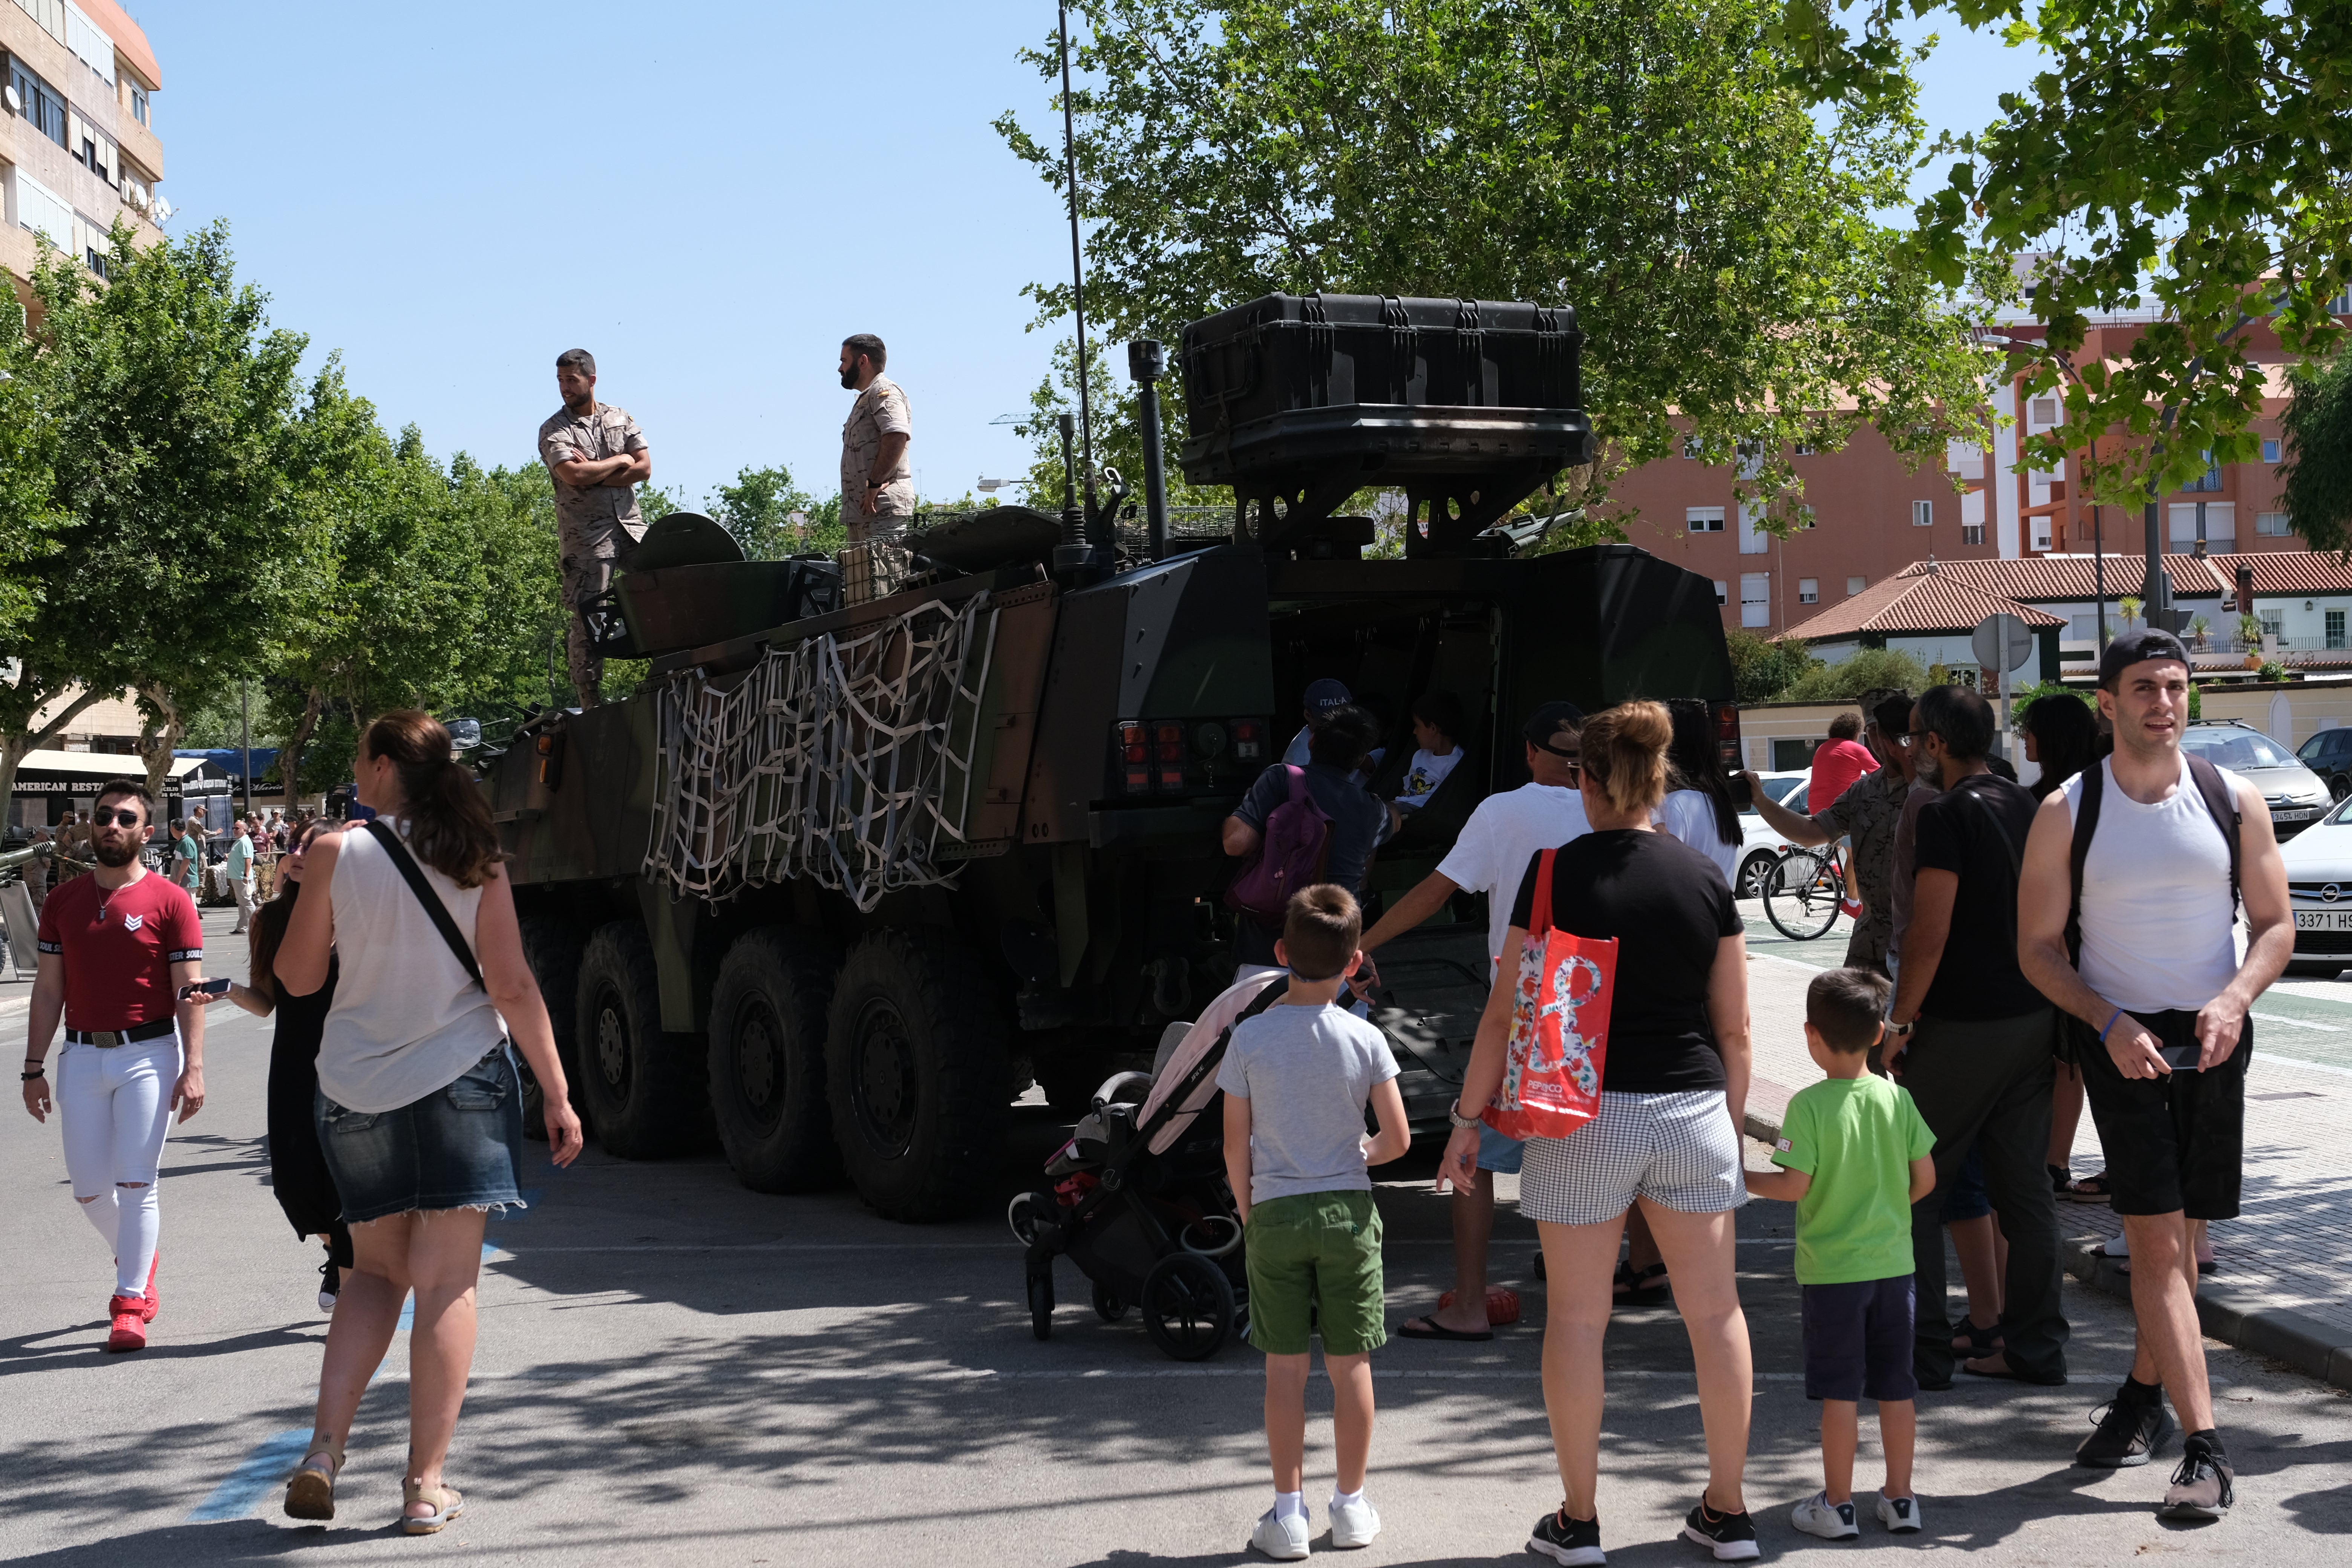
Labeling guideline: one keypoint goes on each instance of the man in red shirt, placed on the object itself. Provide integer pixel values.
(1839, 761)
(116, 947)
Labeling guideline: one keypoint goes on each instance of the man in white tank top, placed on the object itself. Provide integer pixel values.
(2158, 1002)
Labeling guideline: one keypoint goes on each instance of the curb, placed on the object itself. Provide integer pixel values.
(2313, 1348)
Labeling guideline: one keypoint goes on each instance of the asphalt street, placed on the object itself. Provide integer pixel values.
(674, 1369)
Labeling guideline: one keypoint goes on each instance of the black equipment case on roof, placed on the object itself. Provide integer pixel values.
(1297, 401)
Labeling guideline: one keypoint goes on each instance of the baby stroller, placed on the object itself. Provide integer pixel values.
(1137, 1197)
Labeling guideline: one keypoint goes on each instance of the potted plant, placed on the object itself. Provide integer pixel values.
(2128, 608)
(2198, 628)
(2250, 638)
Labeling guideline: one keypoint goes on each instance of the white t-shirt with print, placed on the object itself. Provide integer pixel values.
(1503, 834)
(1421, 779)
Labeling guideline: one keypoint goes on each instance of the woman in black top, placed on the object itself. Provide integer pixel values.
(1674, 1088)
(298, 1171)
(2061, 735)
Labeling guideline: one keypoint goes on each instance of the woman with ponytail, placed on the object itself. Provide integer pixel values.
(418, 1107)
(1674, 1088)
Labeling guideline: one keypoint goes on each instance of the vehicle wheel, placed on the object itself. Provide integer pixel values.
(1752, 873)
(1802, 894)
(2338, 786)
(1187, 1306)
(1040, 1301)
(914, 1072)
(767, 1060)
(644, 1091)
(552, 948)
(1110, 1305)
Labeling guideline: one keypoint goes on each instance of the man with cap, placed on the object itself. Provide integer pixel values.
(1323, 699)
(597, 458)
(1868, 812)
(1490, 855)
(2149, 853)
(877, 487)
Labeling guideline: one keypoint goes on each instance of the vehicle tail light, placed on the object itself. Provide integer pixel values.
(1727, 735)
(1167, 754)
(1249, 740)
(1134, 755)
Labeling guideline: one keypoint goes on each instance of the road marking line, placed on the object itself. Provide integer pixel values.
(263, 1468)
(2266, 1056)
(2297, 1023)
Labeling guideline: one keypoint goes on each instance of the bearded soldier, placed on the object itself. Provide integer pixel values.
(597, 457)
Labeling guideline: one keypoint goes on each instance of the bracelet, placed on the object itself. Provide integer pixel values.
(2111, 1023)
(37, 1072)
(1454, 1114)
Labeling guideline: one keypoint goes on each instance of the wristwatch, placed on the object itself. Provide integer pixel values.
(1454, 1114)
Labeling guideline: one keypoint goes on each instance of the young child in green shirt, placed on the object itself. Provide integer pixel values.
(1854, 1155)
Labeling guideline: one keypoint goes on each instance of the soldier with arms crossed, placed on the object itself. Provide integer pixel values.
(597, 457)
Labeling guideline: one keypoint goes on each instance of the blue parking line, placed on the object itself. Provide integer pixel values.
(260, 1473)
(407, 1311)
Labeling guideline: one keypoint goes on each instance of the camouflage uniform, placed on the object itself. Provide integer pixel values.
(593, 525)
(880, 410)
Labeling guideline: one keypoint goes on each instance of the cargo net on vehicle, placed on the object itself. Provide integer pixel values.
(845, 759)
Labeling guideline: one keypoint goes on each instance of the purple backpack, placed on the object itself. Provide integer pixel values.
(1290, 856)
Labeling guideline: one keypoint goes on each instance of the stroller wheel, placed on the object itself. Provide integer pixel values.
(1187, 1306)
(1110, 1305)
(1026, 1213)
(1041, 1302)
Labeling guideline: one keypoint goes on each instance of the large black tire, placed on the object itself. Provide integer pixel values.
(914, 1072)
(767, 1060)
(644, 1091)
(552, 948)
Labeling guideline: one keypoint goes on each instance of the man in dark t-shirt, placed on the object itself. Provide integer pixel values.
(1974, 1042)
(1358, 820)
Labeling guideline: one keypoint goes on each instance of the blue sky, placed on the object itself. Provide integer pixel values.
(708, 197)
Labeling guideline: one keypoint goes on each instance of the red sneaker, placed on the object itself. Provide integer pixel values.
(130, 1331)
(147, 1312)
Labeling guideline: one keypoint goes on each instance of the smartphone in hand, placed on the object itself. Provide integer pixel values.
(204, 988)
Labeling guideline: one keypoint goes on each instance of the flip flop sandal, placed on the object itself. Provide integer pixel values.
(1977, 1342)
(1502, 1305)
(1430, 1328)
(2088, 1190)
(310, 1494)
(447, 1504)
(1640, 1291)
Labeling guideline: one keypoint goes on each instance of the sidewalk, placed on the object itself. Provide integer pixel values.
(2279, 1288)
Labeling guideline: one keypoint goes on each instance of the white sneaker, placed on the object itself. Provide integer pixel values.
(1899, 1514)
(1353, 1524)
(1284, 1539)
(1830, 1520)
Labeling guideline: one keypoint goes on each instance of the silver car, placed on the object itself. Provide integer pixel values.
(2297, 797)
(2319, 889)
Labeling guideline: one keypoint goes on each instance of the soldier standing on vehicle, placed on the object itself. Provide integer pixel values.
(597, 457)
(877, 488)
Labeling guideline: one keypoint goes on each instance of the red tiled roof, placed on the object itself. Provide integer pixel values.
(2071, 576)
(1923, 602)
(127, 35)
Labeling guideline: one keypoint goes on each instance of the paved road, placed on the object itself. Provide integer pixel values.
(676, 1371)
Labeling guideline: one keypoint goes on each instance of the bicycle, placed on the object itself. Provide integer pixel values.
(1802, 892)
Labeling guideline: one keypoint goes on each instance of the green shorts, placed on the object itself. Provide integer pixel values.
(1315, 1265)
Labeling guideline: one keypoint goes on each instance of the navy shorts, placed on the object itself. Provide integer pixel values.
(1858, 1340)
(1965, 1195)
(459, 1147)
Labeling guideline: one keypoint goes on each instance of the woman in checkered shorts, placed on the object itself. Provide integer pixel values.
(1667, 1136)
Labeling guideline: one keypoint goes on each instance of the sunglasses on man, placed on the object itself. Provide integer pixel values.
(104, 818)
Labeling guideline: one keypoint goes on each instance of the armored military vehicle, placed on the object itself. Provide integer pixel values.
(843, 879)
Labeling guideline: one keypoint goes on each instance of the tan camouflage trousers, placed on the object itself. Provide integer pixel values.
(587, 572)
(881, 526)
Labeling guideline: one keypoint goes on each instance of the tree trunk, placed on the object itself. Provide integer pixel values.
(289, 757)
(160, 730)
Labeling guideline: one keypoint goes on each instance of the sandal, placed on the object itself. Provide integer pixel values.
(1977, 1342)
(448, 1503)
(1642, 1287)
(2088, 1190)
(310, 1493)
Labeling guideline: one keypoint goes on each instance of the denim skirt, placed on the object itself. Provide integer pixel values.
(459, 1147)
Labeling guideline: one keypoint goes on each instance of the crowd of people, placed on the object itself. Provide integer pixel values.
(2018, 951)
(400, 994)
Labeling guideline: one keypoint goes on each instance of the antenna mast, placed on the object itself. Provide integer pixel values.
(1078, 266)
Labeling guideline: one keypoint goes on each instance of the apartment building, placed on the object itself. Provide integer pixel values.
(1872, 515)
(77, 147)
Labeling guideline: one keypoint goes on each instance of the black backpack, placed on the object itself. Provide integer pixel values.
(2210, 787)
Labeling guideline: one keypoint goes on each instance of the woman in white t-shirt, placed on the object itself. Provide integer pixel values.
(419, 1107)
(1698, 809)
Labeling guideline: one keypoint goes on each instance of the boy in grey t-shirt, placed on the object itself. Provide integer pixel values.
(1296, 1079)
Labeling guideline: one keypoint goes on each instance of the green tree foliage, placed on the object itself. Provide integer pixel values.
(1869, 670)
(166, 397)
(2187, 156)
(1642, 160)
(2317, 472)
(758, 509)
(1762, 667)
(30, 519)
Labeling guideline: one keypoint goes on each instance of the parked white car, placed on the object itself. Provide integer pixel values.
(1760, 846)
(2319, 889)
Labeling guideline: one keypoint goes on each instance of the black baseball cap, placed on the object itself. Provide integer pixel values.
(2137, 647)
(1550, 720)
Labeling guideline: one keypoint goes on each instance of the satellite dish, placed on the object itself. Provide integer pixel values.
(15, 104)
(162, 209)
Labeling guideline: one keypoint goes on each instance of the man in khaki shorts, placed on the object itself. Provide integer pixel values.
(597, 457)
(877, 487)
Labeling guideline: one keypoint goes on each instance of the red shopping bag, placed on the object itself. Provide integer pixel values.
(1559, 1027)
